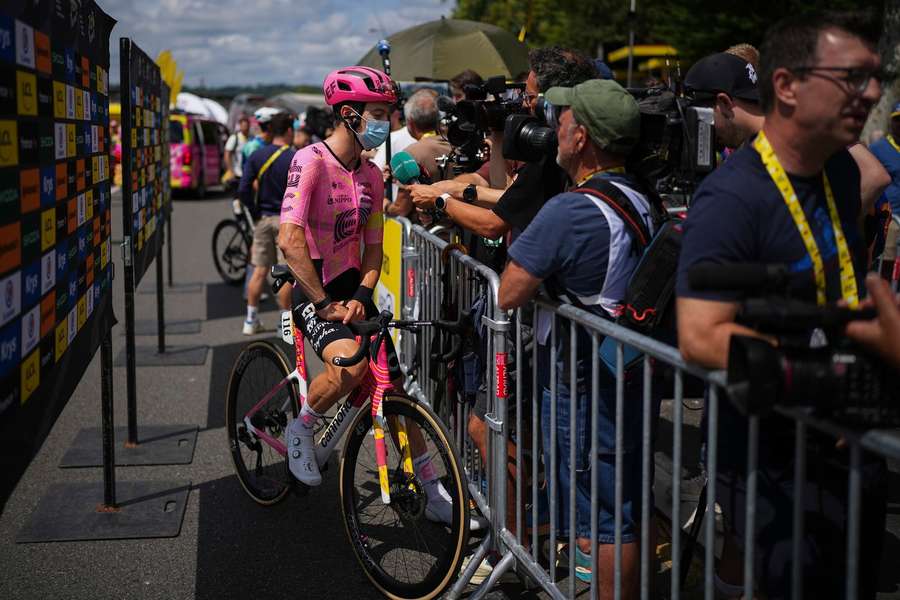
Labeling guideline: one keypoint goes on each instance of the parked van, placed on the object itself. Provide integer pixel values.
(196, 151)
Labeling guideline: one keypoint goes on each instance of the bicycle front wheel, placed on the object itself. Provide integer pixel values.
(403, 553)
(231, 253)
(258, 370)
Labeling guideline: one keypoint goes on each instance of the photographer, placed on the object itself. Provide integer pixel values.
(535, 182)
(582, 251)
(791, 196)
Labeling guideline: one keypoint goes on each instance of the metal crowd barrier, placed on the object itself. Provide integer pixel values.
(427, 259)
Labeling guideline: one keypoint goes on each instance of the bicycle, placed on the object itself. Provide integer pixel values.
(382, 497)
(231, 243)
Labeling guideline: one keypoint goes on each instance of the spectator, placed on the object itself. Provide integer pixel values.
(269, 167)
(887, 151)
(460, 81)
(421, 115)
(739, 215)
(583, 252)
(302, 136)
(747, 52)
(234, 158)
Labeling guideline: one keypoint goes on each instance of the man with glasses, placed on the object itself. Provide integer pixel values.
(727, 83)
(791, 196)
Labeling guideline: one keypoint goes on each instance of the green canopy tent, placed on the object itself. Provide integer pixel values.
(442, 49)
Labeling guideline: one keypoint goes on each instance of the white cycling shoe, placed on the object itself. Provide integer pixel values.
(440, 510)
(302, 454)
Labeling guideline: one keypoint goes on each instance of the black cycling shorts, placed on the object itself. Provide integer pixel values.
(321, 333)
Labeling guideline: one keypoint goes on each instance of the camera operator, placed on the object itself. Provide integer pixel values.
(580, 248)
(535, 182)
(727, 83)
(792, 196)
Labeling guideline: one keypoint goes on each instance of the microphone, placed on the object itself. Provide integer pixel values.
(384, 48)
(738, 277)
(405, 169)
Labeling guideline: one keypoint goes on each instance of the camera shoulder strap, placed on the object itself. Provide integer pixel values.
(609, 194)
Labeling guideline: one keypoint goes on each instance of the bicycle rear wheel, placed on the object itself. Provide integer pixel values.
(403, 553)
(261, 470)
(231, 253)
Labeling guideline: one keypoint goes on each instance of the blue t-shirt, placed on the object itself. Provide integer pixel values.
(739, 216)
(890, 158)
(569, 244)
(273, 182)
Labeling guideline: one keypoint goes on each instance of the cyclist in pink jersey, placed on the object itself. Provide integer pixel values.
(332, 203)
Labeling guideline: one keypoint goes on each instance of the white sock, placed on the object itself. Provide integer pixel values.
(252, 314)
(308, 418)
(434, 489)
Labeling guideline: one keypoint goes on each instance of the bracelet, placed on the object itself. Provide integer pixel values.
(363, 294)
(322, 303)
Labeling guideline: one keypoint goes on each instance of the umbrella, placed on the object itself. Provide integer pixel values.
(442, 49)
(192, 103)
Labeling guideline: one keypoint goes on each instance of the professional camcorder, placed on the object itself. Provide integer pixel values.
(813, 365)
(677, 147)
(469, 121)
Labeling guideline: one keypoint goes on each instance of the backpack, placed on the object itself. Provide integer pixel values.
(648, 305)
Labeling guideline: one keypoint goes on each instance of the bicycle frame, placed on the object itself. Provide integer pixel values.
(374, 385)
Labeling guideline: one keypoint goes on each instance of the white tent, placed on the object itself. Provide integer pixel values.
(202, 106)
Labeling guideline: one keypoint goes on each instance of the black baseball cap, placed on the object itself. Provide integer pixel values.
(726, 73)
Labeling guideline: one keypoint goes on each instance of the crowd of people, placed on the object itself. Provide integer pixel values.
(793, 186)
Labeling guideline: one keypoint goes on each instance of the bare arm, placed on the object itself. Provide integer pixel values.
(517, 286)
(467, 178)
(401, 206)
(873, 177)
(482, 221)
(499, 177)
(292, 241)
(705, 328)
(371, 265)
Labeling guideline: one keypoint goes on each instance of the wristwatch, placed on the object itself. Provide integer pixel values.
(470, 194)
(440, 202)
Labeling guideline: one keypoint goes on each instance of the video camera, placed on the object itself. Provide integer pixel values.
(485, 108)
(813, 365)
(677, 147)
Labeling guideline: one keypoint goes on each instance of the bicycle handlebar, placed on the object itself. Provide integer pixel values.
(380, 324)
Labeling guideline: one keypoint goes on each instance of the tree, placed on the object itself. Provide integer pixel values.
(695, 27)
(889, 48)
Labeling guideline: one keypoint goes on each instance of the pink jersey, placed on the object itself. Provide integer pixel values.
(334, 206)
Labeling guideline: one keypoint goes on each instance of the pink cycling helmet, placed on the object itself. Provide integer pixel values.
(358, 84)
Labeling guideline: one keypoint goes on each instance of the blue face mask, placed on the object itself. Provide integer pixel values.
(375, 134)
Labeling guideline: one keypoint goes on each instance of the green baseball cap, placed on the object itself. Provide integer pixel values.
(606, 109)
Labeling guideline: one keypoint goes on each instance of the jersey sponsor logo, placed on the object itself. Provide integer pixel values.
(339, 199)
(293, 179)
(346, 224)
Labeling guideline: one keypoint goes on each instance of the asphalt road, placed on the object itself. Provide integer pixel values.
(228, 546)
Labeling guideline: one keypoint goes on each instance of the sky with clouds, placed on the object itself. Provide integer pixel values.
(225, 42)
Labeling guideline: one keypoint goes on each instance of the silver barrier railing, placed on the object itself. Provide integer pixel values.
(444, 276)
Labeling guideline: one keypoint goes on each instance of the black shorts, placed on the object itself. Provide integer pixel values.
(320, 333)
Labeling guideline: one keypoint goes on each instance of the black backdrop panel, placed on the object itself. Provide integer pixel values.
(55, 218)
(145, 164)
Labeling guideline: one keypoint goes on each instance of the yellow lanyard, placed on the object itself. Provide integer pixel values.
(893, 143)
(848, 277)
(587, 177)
